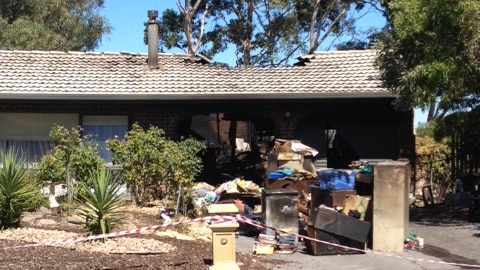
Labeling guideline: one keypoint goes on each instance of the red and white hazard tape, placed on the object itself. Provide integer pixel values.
(259, 225)
(240, 219)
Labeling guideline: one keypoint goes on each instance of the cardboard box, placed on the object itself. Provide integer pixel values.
(356, 203)
(290, 156)
(330, 198)
(282, 145)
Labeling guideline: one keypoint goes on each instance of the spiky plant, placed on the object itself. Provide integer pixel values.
(99, 204)
(17, 190)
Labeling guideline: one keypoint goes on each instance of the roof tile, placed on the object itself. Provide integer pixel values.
(78, 75)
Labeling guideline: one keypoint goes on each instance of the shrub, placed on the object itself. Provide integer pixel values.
(73, 156)
(433, 164)
(18, 190)
(99, 205)
(51, 168)
(154, 166)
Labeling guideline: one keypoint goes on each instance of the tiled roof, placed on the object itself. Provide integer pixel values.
(78, 75)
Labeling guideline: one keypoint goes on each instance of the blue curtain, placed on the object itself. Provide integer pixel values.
(31, 151)
(101, 133)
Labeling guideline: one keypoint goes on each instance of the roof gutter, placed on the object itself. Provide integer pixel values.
(173, 97)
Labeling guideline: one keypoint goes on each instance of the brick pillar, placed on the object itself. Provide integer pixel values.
(391, 181)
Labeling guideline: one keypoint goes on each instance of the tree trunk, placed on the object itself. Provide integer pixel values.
(247, 42)
(431, 111)
(69, 186)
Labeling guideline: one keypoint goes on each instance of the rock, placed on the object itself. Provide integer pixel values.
(75, 220)
(33, 214)
(45, 210)
(64, 222)
(30, 217)
(29, 220)
(46, 222)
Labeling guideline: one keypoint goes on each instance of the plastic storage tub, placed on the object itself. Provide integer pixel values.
(336, 179)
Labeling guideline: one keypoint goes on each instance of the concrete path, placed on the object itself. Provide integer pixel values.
(449, 242)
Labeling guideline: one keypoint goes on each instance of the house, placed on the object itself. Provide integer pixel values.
(325, 93)
(331, 101)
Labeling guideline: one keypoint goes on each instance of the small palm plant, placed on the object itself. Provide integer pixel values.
(99, 203)
(17, 191)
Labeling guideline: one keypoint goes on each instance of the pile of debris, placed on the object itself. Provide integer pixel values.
(243, 194)
(325, 203)
(282, 242)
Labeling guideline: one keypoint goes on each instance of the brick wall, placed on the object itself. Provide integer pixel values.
(372, 126)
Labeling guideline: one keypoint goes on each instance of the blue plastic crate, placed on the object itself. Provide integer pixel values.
(336, 180)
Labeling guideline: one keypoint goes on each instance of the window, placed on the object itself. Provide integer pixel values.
(103, 128)
(28, 133)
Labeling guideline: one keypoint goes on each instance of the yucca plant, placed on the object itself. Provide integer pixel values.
(99, 204)
(17, 190)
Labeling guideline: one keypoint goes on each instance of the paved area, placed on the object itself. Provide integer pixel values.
(446, 241)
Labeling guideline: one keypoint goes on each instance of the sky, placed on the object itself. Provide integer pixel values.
(127, 18)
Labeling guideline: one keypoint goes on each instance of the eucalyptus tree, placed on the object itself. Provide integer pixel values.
(430, 54)
(263, 32)
(186, 28)
(52, 24)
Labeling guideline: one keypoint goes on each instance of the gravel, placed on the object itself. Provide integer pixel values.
(188, 247)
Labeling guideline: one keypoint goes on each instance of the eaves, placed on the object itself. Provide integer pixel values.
(196, 96)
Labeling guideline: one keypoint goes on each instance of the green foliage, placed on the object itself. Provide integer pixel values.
(52, 25)
(430, 57)
(99, 203)
(36, 199)
(430, 54)
(154, 166)
(70, 147)
(51, 168)
(433, 161)
(72, 156)
(83, 159)
(18, 190)
(264, 33)
(426, 129)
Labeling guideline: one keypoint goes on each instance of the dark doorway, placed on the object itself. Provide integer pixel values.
(340, 153)
(236, 145)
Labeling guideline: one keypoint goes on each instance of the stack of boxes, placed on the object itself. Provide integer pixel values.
(337, 214)
(294, 155)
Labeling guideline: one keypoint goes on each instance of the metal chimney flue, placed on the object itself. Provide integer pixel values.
(152, 32)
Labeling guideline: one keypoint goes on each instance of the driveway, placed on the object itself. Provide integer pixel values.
(448, 238)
